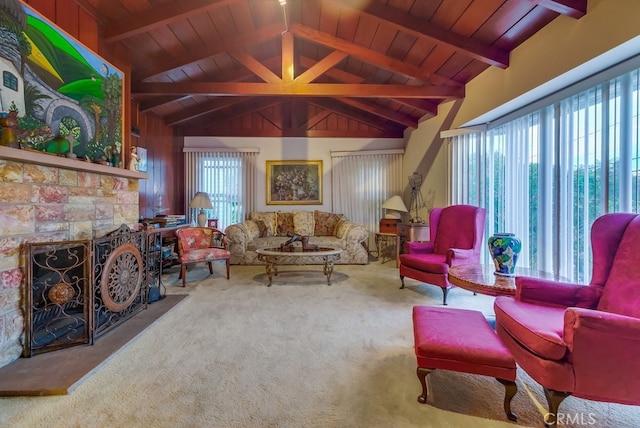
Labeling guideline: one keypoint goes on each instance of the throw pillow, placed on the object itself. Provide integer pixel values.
(325, 223)
(342, 227)
(284, 224)
(263, 231)
(268, 218)
(303, 222)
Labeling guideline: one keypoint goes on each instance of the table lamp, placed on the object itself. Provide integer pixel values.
(394, 207)
(201, 200)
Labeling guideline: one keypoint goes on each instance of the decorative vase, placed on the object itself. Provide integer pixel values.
(504, 249)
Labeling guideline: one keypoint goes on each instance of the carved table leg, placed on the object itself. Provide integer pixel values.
(328, 268)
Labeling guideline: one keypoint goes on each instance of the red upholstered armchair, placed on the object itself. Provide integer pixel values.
(582, 340)
(456, 238)
(201, 244)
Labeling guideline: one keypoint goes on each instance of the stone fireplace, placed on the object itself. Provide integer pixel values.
(46, 198)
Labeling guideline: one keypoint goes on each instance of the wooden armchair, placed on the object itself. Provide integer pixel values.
(201, 244)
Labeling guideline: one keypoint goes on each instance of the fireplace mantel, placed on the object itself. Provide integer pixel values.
(39, 158)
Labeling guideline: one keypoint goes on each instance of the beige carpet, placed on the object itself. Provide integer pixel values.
(298, 354)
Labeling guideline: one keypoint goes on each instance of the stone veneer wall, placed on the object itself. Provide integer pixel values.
(44, 204)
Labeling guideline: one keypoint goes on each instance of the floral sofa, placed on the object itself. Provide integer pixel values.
(269, 229)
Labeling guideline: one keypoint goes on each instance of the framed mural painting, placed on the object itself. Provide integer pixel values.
(57, 95)
(294, 182)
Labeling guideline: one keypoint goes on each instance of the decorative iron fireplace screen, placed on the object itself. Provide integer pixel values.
(59, 299)
(79, 290)
(119, 272)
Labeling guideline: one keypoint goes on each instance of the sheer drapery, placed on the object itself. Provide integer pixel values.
(362, 181)
(548, 175)
(228, 177)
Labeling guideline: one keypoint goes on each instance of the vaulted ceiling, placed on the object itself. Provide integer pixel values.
(315, 68)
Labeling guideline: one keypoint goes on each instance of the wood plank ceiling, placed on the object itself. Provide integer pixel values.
(314, 68)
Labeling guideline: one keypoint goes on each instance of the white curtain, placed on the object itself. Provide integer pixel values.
(362, 181)
(547, 175)
(228, 177)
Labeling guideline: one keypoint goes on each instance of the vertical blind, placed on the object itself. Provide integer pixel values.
(547, 175)
(362, 181)
(228, 177)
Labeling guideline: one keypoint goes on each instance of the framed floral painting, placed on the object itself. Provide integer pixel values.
(294, 182)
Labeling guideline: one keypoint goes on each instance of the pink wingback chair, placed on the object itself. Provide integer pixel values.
(201, 245)
(582, 340)
(456, 238)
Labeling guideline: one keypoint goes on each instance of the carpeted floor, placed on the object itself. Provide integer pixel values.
(298, 354)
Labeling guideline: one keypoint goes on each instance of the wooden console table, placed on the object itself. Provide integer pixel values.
(410, 232)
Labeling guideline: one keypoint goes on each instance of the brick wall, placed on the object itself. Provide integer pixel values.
(40, 203)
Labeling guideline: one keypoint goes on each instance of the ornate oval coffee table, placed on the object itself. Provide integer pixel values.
(273, 256)
(481, 279)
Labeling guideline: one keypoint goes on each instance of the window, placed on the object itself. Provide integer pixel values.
(9, 80)
(547, 175)
(229, 180)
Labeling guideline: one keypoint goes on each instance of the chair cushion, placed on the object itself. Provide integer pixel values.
(434, 263)
(537, 328)
(205, 254)
(621, 294)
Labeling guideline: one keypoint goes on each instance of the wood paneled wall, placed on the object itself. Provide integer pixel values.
(164, 152)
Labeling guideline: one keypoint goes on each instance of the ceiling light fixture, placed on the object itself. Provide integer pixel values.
(283, 3)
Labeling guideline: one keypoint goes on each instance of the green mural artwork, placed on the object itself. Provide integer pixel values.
(57, 96)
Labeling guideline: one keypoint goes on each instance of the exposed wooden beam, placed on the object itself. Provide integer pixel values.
(162, 65)
(160, 15)
(370, 56)
(155, 102)
(343, 110)
(234, 113)
(256, 67)
(296, 89)
(288, 60)
(573, 8)
(381, 112)
(345, 77)
(321, 67)
(419, 27)
(202, 110)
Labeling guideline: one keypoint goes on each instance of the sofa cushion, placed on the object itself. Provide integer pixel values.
(303, 222)
(284, 223)
(269, 219)
(325, 223)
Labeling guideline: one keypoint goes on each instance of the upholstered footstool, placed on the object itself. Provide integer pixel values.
(461, 340)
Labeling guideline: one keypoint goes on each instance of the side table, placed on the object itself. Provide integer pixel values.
(384, 242)
(410, 232)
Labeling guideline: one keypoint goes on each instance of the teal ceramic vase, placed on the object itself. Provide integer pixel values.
(504, 249)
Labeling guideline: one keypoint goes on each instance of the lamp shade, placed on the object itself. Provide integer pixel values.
(201, 200)
(395, 207)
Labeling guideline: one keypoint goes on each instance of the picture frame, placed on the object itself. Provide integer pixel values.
(294, 182)
(142, 159)
(53, 94)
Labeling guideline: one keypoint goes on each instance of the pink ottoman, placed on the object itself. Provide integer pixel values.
(461, 340)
